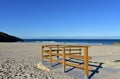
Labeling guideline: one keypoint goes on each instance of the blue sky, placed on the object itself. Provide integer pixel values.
(60, 18)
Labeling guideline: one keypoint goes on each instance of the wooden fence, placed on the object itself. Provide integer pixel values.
(60, 53)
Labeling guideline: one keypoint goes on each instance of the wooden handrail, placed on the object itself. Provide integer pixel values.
(65, 51)
(61, 46)
(61, 50)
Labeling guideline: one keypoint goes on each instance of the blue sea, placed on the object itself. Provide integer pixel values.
(76, 41)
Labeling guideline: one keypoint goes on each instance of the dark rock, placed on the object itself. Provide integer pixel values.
(8, 38)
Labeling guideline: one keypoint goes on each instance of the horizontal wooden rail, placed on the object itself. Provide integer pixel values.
(71, 56)
(61, 50)
(77, 65)
(46, 58)
(66, 46)
(77, 56)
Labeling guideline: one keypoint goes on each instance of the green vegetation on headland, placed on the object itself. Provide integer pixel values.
(8, 38)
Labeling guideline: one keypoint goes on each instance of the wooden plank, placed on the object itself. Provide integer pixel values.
(86, 72)
(63, 59)
(55, 54)
(41, 55)
(68, 54)
(74, 65)
(46, 58)
(61, 46)
(45, 50)
(46, 55)
(78, 56)
(77, 65)
(71, 55)
(72, 49)
(50, 55)
(80, 51)
(61, 50)
(59, 61)
(53, 50)
(69, 49)
(57, 51)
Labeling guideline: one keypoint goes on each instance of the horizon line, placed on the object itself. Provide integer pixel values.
(71, 38)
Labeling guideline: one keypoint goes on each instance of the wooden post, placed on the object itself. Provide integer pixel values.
(50, 55)
(41, 55)
(80, 51)
(86, 71)
(57, 51)
(63, 59)
(69, 49)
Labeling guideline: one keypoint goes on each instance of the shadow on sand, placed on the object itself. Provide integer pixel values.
(95, 65)
(96, 70)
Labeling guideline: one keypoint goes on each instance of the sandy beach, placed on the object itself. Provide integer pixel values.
(19, 60)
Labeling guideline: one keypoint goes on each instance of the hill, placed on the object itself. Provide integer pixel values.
(4, 37)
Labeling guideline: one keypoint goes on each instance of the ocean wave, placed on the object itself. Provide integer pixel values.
(73, 43)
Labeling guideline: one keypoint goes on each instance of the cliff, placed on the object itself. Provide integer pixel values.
(8, 38)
